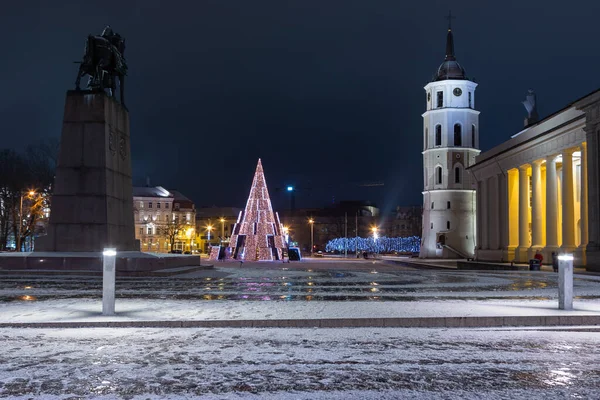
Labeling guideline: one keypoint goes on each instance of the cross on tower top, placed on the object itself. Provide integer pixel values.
(450, 18)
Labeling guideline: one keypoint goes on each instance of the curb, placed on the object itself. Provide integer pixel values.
(427, 322)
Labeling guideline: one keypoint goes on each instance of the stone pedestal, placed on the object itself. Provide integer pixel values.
(92, 203)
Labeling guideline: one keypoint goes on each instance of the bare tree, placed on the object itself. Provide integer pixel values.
(20, 174)
(172, 229)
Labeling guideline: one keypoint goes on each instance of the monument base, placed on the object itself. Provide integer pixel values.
(128, 263)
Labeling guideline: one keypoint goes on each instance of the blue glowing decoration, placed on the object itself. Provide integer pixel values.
(382, 244)
(290, 188)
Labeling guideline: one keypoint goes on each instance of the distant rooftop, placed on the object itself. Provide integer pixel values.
(158, 191)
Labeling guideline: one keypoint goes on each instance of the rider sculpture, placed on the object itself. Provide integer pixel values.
(104, 62)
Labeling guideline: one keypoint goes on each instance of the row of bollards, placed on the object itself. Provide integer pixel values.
(565, 281)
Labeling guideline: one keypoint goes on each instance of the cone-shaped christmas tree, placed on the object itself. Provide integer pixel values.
(258, 234)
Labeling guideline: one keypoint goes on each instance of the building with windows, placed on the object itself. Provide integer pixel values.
(163, 219)
(540, 189)
(450, 145)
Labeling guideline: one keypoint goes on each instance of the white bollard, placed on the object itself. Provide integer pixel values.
(565, 282)
(108, 281)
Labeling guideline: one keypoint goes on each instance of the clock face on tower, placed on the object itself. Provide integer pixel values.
(457, 92)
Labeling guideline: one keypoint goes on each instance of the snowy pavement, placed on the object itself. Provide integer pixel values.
(298, 364)
(292, 363)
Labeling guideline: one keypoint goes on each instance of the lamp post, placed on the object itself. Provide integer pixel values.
(208, 228)
(375, 236)
(312, 223)
(222, 228)
(18, 241)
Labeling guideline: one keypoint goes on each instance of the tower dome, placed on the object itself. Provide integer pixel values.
(450, 68)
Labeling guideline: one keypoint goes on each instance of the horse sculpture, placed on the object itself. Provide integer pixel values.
(104, 62)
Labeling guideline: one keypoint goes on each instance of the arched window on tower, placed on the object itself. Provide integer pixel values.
(438, 135)
(438, 175)
(473, 136)
(457, 135)
(457, 175)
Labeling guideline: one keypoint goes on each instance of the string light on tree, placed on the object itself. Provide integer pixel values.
(258, 233)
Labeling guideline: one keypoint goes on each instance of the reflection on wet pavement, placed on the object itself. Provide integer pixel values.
(306, 285)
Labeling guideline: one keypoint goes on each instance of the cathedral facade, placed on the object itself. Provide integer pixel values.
(539, 191)
(450, 145)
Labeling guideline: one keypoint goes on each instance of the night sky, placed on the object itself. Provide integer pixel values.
(328, 93)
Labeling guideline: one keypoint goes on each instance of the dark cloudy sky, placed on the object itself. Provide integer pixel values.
(328, 93)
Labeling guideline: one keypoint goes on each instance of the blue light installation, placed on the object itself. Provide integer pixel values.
(383, 244)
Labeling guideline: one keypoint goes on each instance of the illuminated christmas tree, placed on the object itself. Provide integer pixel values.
(258, 233)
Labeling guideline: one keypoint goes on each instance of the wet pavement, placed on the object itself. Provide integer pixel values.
(309, 282)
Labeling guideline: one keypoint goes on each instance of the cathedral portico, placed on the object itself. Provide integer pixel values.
(541, 200)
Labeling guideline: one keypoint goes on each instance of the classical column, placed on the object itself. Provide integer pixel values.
(568, 206)
(524, 240)
(584, 196)
(495, 230)
(537, 212)
(484, 221)
(503, 211)
(478, 220)
(551, 203)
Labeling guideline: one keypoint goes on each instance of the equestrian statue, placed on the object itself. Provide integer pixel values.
(104, 62)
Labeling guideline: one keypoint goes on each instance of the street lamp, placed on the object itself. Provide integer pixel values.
(375, 236)
(222, 228)
(31, 193)
(312, 223)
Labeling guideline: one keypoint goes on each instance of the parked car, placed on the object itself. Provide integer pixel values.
(319, 254)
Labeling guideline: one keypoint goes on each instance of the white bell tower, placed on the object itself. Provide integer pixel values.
(451, 141)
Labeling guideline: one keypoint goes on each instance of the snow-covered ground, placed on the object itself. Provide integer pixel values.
(311, 363)
(298, 364)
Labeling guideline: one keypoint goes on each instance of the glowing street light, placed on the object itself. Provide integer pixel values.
(290, 188)
(286, 232)
(222, 228)
(209, 228)
(312, 224)
(375, 229)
